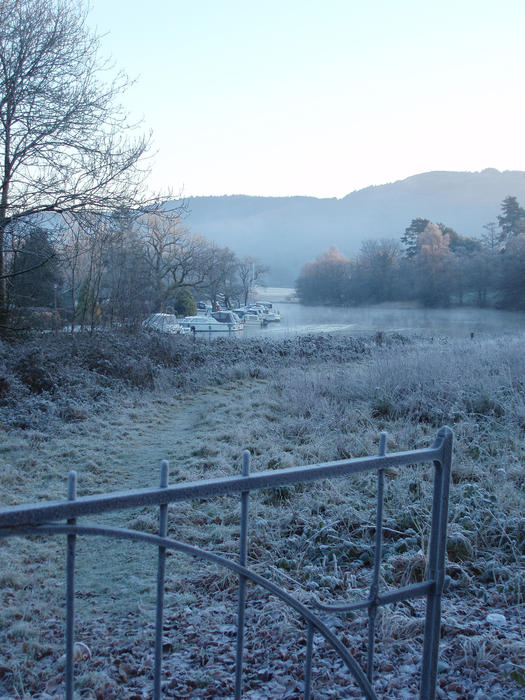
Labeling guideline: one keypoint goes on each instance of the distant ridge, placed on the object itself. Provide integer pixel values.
(286, 232)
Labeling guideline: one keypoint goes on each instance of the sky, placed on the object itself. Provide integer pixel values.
(319, 97)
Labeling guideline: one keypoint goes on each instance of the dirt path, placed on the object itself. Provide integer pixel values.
(123, 448)
(186, 431)
(200, 435)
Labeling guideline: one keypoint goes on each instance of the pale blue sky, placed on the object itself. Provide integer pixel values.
(320, 97)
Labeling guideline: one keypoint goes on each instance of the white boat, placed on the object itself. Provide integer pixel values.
(164, 323)
(268, 313)
(249, 317)
(271, 315)
(225, 321)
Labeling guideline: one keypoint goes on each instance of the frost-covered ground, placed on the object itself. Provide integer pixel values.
(113, 407)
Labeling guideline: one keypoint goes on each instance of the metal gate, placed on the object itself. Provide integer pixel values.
(64, 518)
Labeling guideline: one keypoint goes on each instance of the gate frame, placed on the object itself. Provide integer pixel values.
(48, 519)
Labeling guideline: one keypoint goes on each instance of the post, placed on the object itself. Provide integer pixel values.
(436, 566)
(308, 661)
(70, 592)
(161, 572)
(374, 587)
(243, 557)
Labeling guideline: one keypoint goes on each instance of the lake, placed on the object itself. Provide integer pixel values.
(389, 318)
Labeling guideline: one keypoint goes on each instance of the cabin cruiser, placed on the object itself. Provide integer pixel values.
(225, 321)
(250, 317)
(164, 323)
(271, 315)
(268, 313)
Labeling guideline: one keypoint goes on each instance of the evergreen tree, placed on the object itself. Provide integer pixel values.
(185, 303)
(512, 219)
(410, 238)
(35, 271)
(460, 245)
(512, 280)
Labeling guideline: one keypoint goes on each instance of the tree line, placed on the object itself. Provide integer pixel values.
(431, 264)
(115, 269)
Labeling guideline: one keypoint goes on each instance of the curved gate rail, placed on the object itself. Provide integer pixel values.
(61, 517)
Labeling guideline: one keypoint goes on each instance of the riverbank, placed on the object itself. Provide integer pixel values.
(112, 408)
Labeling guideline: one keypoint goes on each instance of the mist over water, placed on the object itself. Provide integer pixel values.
(388, 318)
(297, 319)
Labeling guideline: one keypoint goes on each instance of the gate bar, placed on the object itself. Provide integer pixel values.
(308, 661)
(101, 503)
(436, 569)
(374, 586)
(70, 592)
(243, 557)
(161, 575)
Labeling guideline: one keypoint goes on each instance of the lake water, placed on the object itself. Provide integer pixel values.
(457, 322)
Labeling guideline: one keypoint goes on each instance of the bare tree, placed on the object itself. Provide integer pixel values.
(325, 280)
(176, 257)
(126, 284)
(378, 265)
(432, 270)
(65, 144)
(221, 274)
(250, 272)
(490, 239)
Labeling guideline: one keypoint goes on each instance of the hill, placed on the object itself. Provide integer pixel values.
(286, 232)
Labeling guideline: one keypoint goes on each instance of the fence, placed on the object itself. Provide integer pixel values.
(62, 517)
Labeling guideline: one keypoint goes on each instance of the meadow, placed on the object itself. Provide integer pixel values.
(112, 407)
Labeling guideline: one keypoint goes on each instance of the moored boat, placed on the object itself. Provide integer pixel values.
(219, 321)
(268, 313)
(249, 317)
(164, 323)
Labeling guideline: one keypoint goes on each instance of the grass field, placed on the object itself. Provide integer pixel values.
(113, 407)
